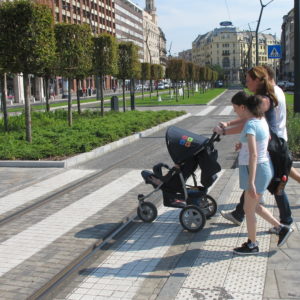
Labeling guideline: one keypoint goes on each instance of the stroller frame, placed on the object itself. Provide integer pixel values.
(193, 215)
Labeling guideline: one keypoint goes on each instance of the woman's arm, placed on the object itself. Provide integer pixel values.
(231, 123)
(227, 131)
(252, 164)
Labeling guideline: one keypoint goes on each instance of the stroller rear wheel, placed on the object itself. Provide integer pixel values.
(192, 218)
(147, 212)
(209, 206)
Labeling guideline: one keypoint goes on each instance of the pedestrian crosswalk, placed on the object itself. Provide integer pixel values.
(21, 197)
(215, 110)
(20, 247)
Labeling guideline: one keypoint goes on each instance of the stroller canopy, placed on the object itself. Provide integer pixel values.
(183, 144)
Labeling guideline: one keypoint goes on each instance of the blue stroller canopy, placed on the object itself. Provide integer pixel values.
(183, 144)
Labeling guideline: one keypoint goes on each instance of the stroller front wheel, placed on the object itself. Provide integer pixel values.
(147, 212)
(192, 218)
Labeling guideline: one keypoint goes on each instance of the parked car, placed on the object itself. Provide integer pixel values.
(219, 84)
(290, 86)
(160, 86)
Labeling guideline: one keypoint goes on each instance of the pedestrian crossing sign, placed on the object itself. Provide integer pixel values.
(274, 51)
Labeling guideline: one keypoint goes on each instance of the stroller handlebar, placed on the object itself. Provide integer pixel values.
(214, 138)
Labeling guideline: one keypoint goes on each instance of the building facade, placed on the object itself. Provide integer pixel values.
(129, 24)
(186, 55)
(287, 46)
(232, 50)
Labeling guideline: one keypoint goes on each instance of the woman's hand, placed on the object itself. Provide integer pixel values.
(238, 146)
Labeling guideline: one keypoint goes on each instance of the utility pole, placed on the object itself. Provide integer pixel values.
(257, 27)
(296, 57)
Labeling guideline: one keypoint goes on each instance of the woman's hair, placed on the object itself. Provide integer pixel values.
(265, 87)
(253, 103)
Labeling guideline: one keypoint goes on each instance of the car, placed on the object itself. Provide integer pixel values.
(160, 86)
(282, 84)
(219, 84)
(290, 86)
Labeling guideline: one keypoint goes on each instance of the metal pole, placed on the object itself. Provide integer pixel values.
(257, 27)
(297, 58)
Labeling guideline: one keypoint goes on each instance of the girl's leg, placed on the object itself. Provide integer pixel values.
(265, 214)
(249, 208)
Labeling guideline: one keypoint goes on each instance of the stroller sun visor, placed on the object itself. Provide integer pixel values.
(183, 144)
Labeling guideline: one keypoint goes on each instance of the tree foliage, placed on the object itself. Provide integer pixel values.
(27, 43)
(105, 60)
(74, 54)
(128, 64)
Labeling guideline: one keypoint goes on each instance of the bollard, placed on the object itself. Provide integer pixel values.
(114, 103)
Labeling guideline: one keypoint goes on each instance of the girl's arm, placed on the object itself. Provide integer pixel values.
(252, 164)
(232, 123)
(227, 131)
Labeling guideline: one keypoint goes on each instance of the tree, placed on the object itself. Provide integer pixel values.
(190, 75)
(105, 60)
(127, 65)
(156, 74)
(3, 99)
(176, 71)
(27, 43)
(74, 54)
(145, 75)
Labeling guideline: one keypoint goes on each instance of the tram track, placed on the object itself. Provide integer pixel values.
(77, 184)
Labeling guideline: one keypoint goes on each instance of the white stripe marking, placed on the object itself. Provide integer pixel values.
(28, 242)
(227, 110)
(23, 196)
(206, 111)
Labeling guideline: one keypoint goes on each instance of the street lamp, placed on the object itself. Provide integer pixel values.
(257, 27)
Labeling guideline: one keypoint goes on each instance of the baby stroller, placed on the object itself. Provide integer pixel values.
(188, 151)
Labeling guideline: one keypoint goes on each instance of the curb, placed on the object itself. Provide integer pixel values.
(78, 159)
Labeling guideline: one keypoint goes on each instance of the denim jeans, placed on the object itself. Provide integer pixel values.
(285, 214)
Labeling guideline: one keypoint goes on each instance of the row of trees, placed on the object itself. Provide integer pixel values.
(31, 44)
(179, 70)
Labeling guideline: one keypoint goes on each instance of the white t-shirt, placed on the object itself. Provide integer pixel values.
(280, 111)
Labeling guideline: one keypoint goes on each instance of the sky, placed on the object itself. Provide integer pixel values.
(183, 20)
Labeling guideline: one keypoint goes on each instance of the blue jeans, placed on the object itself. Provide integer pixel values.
(282, 201)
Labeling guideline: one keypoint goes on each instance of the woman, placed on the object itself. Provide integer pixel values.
(255, 168)
(259, 81)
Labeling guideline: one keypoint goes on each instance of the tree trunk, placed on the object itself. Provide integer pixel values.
(78, 96)
(101, 95)
(27, 108)
(3, 100)
(150, 89)
(47, 93)
(70, 121)
(188, 89)
(132, 98)
(176, 91)
(142, 89)
(123, 89)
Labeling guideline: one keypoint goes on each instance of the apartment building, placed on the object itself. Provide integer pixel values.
(231, 49)
(288, 47)
(129, 24)
(186, 55)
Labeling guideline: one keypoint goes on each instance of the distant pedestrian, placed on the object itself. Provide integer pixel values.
(255, 169)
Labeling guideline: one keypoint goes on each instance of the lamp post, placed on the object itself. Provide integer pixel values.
(257, 27)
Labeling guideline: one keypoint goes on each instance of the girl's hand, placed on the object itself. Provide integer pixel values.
(218, 130)
(223, 124)
(252, 191)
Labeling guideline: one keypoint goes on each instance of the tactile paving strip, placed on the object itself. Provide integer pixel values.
(199, 294)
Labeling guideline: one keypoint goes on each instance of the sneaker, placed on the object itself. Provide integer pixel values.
(245, 249)
(284, 234)
(274, 230)
(230, 217)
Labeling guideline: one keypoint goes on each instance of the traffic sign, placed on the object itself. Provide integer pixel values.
(274, 51)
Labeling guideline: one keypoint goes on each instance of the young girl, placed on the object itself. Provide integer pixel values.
(255, 168)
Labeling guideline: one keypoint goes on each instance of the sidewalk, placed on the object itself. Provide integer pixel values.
(160, 261)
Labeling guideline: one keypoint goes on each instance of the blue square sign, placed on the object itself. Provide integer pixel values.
(274, 51)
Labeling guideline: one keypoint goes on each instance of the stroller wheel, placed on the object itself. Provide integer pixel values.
(147, 212)
(192, 218)
(209, 206)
